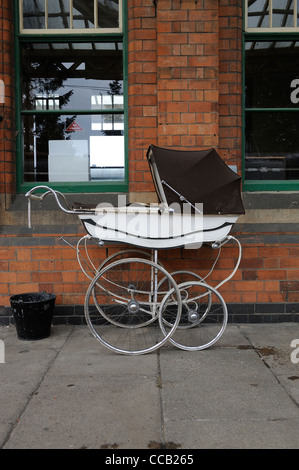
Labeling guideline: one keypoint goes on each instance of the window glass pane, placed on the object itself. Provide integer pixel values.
(58, 14)
(283, 13)
(272, 75)
(258, 13)
(108, 11)
(71, 76)
(83, 14)
(68, 148)
(272, 146)
(34, 14)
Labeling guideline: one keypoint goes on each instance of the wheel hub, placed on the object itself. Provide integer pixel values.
(193, 316)
(133, 306)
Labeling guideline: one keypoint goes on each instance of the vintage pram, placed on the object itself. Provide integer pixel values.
(133, 304)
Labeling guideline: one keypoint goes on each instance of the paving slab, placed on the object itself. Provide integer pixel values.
(278, 347)
(211, 401)
(26, 363)
(69, 392)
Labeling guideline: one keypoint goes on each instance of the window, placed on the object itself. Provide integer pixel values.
(271, 103)
(271, 15)
(71, 97)
(64, 16)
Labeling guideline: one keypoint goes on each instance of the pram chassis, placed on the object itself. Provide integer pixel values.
(135, 296)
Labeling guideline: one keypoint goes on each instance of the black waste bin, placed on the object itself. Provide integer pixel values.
(33, 314)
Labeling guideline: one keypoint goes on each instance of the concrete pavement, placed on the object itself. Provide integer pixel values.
(69, 392)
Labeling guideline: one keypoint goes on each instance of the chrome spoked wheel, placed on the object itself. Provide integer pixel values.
(203, 318)
(122, 306)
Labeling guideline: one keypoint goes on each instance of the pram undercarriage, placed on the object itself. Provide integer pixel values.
(133, 304)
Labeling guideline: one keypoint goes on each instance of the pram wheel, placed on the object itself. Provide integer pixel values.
(122, 306)
(203, 318)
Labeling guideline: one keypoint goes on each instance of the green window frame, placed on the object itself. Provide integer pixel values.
(265, 30)
(77, 37)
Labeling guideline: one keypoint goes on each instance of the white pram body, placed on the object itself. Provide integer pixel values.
(156, 228)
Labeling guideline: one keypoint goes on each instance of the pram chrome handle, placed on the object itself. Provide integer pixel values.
(30, 195)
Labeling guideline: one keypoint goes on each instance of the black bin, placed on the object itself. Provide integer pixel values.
(33, 314)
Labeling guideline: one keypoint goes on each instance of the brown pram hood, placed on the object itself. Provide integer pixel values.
(200, 176)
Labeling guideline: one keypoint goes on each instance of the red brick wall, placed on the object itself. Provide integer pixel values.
(7, 135)
(184, 75)
(230, 81)
(142, 81)
(185, 81)
(266, 273)
(52, 269)
(187, 75)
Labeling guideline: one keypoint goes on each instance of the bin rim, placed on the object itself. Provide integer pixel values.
(42, 296)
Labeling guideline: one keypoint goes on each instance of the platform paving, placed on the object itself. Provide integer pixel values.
(70, 392)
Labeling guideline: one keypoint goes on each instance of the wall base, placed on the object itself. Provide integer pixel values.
(237, 313)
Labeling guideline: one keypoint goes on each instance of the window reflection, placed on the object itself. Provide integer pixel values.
(258, 13)
(76, 72)
(66, 14)
(272, 105)
(53, 148)
(83, 14)
(58, 14)
(86, 81)
(283, 13)
(34, 14)
(271, 66)
(108, 13)
(274, 14)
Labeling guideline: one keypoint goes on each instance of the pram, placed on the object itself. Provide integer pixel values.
(133, 304)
